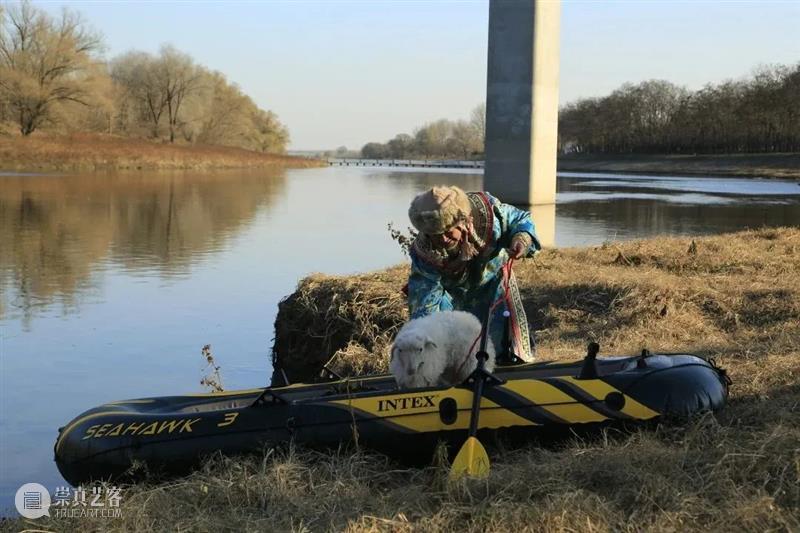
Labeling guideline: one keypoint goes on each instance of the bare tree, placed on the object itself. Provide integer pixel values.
(268, 133)
(178, 78)
(160, 84)
(193, 103)
(43, 61)
(401, 146)
(477, 120)
(137, 73)
(374, 151)
(219, 111)
(465, 139)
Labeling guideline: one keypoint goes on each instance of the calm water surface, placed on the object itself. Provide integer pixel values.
(111, 284)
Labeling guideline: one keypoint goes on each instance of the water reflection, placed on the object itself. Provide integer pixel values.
(59, 233)
(408, 182)
(625, 207)
(55, 231)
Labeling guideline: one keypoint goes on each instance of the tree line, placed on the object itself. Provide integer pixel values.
(52, 76)
(439, 139)
(757, 114)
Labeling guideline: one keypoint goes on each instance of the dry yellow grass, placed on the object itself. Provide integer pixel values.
(86, 151)
(735, 297)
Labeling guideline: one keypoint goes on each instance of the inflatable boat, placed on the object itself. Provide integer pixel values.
(173, 433)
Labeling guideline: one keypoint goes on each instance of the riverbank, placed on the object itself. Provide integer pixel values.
(107, 152)
(733, 297)
(782, 166)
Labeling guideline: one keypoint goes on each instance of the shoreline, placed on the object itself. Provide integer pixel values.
(101, 152)
(95, 152)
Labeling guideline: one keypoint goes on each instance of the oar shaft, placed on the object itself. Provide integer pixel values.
(472, 459)
(482, 356)
(477, 393)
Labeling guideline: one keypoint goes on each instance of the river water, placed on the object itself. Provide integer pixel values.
(111, 284)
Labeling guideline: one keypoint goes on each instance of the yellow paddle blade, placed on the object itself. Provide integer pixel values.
(471, 461)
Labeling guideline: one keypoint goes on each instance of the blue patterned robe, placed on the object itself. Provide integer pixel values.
(437, 284)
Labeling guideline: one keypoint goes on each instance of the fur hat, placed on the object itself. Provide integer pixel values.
(439, 209)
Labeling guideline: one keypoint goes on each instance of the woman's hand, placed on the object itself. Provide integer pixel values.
(520, 243)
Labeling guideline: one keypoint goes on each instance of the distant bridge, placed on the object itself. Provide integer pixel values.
(435, 163)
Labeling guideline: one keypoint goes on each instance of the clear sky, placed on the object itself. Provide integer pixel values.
(345, 73)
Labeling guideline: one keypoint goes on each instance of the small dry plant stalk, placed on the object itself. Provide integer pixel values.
(212, 379)
(403, 239)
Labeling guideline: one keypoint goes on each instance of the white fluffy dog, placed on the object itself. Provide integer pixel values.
(433, 350)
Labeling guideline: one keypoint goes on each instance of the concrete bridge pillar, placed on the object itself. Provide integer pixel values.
(522, 101)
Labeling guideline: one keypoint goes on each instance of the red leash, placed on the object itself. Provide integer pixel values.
(506, 269)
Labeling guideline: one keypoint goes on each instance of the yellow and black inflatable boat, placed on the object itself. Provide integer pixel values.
(173, 433)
